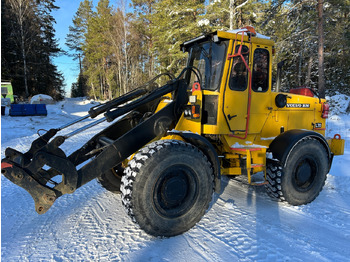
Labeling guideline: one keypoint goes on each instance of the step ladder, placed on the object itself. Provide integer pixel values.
(254, 161)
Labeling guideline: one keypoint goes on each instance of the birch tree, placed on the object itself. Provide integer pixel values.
(22, 11)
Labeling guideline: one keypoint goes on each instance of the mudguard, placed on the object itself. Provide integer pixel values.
(284, 143)
(208, 149)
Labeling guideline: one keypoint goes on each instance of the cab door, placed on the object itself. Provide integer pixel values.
(247, 94)
(261, 104)
(236, 91)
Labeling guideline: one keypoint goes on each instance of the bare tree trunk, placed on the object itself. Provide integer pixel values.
(309, 69)
(125, 60)
(233, 13)
(93, 90)
(151, 60)
(107, 82)
(21, 11)
(121, 92)
(108, 89)
(150, 54)
(321, 76)
(24, 62)
(300, 68)
(232, 10)
(101, 87)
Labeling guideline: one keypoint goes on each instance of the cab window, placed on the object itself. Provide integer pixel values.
(260, 77)
(239, 73)
(209, 58)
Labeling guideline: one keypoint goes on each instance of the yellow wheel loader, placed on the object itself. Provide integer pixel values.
(168, 146)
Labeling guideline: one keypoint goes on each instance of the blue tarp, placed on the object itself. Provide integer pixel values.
(28, 110)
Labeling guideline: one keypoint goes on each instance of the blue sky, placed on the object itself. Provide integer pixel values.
(65, 64)
(64, 17)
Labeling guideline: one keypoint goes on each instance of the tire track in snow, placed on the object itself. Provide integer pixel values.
(296, 231)
(94, 230)
(242, 224)
(83, 226)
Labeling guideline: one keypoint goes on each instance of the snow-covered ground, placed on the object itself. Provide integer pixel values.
(243, 223)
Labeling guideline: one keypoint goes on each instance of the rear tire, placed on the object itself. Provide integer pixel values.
(167, 187)
(302, 177)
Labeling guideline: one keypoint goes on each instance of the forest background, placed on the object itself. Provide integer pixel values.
(121, 44)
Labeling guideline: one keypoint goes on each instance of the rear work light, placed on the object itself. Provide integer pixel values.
(325, 110)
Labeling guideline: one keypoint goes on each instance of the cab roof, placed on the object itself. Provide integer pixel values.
(229, 35)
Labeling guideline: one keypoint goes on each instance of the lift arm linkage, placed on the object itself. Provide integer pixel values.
(136, 126)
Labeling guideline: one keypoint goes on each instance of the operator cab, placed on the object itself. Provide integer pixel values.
(209, 53)
(235, 69)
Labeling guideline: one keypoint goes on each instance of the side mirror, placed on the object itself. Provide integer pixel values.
(281, 100)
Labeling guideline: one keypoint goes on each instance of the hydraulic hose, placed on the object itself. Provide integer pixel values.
(141, 90)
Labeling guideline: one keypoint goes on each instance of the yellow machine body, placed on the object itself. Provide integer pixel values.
(230, 120)
(244, 122)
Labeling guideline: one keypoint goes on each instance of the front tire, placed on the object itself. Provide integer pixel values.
(111, 180)
(167, 187)
(302, 177)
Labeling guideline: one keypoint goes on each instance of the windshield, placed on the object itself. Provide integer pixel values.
(209, 58)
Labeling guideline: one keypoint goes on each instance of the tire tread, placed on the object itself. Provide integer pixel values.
(137, 163)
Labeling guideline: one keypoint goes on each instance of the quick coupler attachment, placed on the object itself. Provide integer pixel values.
(43, 196)
(31, 175)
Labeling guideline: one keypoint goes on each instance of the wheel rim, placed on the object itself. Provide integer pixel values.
(305, 173)
(175, 191)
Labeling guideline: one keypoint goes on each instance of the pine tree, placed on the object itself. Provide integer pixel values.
(119, 51)
(232, 14)
(173, 23)
(48, 79)
(294, 27)
(97, 49)
(337, 44)
(141, 26)
(75, 41)
(76, 37)
(28, 44)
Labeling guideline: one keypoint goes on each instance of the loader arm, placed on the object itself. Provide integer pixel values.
(136, 124)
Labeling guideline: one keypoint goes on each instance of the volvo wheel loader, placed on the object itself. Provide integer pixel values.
(167, 147)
